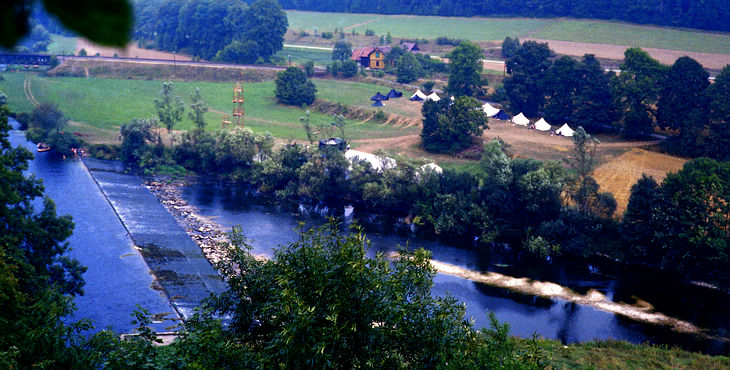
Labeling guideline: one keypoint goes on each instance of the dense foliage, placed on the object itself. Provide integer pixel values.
(294, 88)
(227, 30)
(448, 126)
(465, 68)
(708, 14)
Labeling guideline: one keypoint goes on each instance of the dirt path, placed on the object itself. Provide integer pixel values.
(362, 23)
(130, 51)
(28, 92)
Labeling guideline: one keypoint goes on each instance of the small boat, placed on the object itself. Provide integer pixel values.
(42, 147)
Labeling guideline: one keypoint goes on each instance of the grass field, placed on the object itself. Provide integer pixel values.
(496, 29)
(62, 45)
(301, 56)
(634, 35)
(357, 94)
(101, 105)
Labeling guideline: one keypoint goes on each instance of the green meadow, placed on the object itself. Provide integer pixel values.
(100, 106)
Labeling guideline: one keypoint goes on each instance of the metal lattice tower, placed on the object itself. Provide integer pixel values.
(238, 99)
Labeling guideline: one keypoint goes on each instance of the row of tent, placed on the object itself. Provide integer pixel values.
(378, 97)
(542, 125)
(420, 96)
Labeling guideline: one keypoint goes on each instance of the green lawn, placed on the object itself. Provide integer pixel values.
(490, 29)
(357, 94)
(104, 104)
(301, 56)
(633, 35)
(310, 21)
(62, 45)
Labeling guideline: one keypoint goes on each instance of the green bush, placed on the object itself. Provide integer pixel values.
(35, 135)
(293, 87)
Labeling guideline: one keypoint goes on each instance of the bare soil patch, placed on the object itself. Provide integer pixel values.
(131, 51)
(616, 52)
(620, 173)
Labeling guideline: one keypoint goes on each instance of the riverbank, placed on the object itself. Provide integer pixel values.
(209, 234)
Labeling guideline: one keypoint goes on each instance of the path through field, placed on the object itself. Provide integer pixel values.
(131, 51)
(28, 92)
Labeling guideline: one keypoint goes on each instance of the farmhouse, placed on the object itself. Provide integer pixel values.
(371, 57)
(410, 46)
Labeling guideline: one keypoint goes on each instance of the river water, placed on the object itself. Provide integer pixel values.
(118, 278)
(272, 224)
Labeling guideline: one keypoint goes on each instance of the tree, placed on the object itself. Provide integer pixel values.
(637, 225)
(639, 85)
(693, 209)
(408, 69)
(307, 124)
(525, 70)
(349, 68)
(198, 108)
(37, 277)
(245, 52)
(682, 96)
(510, 47)
(265, 23)
(583, 162)
(135, 138)
(465, 69)
(293, 87)
(718, 98)
(169, 109)
(48, 117)
(342, 51)
(448, 127)
(340, 123)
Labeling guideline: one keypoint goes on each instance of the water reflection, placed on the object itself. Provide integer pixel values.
(273, 224)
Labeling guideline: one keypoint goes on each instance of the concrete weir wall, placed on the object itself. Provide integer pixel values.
(176, 261)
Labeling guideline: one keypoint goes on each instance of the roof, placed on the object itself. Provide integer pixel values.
(366, 51)
(410, 46)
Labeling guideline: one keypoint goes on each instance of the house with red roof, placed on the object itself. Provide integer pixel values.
(371, 56)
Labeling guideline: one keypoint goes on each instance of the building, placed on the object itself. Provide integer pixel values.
(371, 57)
(410, 47)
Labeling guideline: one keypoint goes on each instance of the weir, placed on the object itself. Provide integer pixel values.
(177, 262)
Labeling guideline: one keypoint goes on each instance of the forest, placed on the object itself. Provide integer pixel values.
(709, 14)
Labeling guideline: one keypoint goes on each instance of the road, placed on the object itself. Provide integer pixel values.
(171, 62)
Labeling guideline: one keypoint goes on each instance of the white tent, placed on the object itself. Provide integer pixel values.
(565, 130)
(376, 162)
(542, 125)
(521, 120)
(490, 110)
(432, 167)
(419, 94)
(433, 97)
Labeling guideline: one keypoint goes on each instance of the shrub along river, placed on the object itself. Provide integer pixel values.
(119, 278)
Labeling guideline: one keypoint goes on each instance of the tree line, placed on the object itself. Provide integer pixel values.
(708, 14)
(228, 30)
(645, 95)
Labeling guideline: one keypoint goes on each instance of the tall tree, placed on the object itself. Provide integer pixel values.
(294, 88)
(408, 68)
(448, 126)
(525, 71)
(639, 84)
(718, 98)
(266, 24)
(465, 68)
(198, 108)
(342, 51)
(510, 47)
(169, 109)
(637, 225)
(583, 162)
(681, 100)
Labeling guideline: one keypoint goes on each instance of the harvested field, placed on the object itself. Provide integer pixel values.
(616, 52)
(131, 51)
(619, 174)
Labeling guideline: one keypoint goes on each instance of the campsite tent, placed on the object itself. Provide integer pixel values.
(490, 110)
(433, 97)
(565, 130)
(379, 96)
(418, 96)
(542, 125)
(394, 94)
(521, 120)
(502, 116)
(376, 162)
(378, 103)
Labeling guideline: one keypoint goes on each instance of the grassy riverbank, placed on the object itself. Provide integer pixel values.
(624, 355)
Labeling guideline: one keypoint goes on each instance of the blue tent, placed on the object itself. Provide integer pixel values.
(394, 93)
(378, 103)
(379, 96)
(502, 116)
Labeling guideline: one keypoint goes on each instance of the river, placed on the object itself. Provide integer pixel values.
(271, 224)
